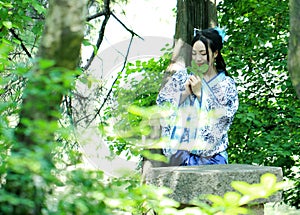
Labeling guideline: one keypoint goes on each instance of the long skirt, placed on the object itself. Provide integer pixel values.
(185, 158)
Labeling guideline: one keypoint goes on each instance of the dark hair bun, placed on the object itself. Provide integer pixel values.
(214, 37)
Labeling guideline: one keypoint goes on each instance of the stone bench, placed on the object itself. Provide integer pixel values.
(189, 182)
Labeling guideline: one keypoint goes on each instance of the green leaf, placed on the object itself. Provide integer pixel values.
(152, 156)
(86, 42)
(241, 186)
(7, 24)
(237, 211)
(232, 198)
(197, 70)
(217, 200)
(39, 7)
(268, 180)
(6, 4)
(44, 64)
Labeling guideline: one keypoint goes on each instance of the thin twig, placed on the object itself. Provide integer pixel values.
(101, 32)
(110, 91)
(21, 41)
(102, 13)
(131, 31)
(125, 59)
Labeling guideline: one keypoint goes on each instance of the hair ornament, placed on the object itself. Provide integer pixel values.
(221, 32)
(196, 30)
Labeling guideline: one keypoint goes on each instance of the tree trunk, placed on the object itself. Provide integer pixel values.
(191, 14)
(49, 79)
(61, 42)
(294, 45)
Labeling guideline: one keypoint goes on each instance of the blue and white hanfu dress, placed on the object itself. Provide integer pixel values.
(196, 132)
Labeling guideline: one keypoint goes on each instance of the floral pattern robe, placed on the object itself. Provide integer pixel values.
(198, 125)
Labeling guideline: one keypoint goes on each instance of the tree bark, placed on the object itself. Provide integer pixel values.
(200, 14)
(49, 79)
(294, 45)
(61, 43)
(192, 14)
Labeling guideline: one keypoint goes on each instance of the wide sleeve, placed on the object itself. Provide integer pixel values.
(221, 105)
(225, 97)
(169, 96)
(170, 93)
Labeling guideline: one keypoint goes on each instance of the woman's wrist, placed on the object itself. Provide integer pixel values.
(198, 95)
(185, 93)
(183, 96)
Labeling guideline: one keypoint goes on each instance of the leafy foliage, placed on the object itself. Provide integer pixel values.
(233, 203)
(24, 21)
(44, 170)
(138, 87)
(266, 127)
(88, 192)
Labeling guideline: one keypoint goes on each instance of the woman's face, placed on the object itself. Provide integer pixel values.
(199, 54)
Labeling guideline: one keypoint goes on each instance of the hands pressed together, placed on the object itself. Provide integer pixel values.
(192, 86)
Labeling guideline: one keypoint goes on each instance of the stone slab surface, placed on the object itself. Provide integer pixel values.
(192, 181)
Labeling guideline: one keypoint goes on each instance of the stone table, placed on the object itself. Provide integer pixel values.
(188, 182)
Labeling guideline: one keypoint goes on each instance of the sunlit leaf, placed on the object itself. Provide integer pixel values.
(268, 180)
(232, 198)
(241, 186)
(44, 63)
(217, 200)
(7, 24)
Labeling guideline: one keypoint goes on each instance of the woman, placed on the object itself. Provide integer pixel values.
(196, 132)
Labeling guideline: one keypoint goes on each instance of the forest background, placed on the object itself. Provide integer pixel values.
(39, 117)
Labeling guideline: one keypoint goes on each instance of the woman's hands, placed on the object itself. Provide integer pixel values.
(192, 86)
(195, 84)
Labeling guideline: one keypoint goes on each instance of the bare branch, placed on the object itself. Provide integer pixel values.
(101, 32)
(131, 31)
(102, 13)
(21, 41)
(110, 91)
(106, 12)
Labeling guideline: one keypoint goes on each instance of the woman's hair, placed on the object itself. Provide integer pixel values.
(212, 39)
